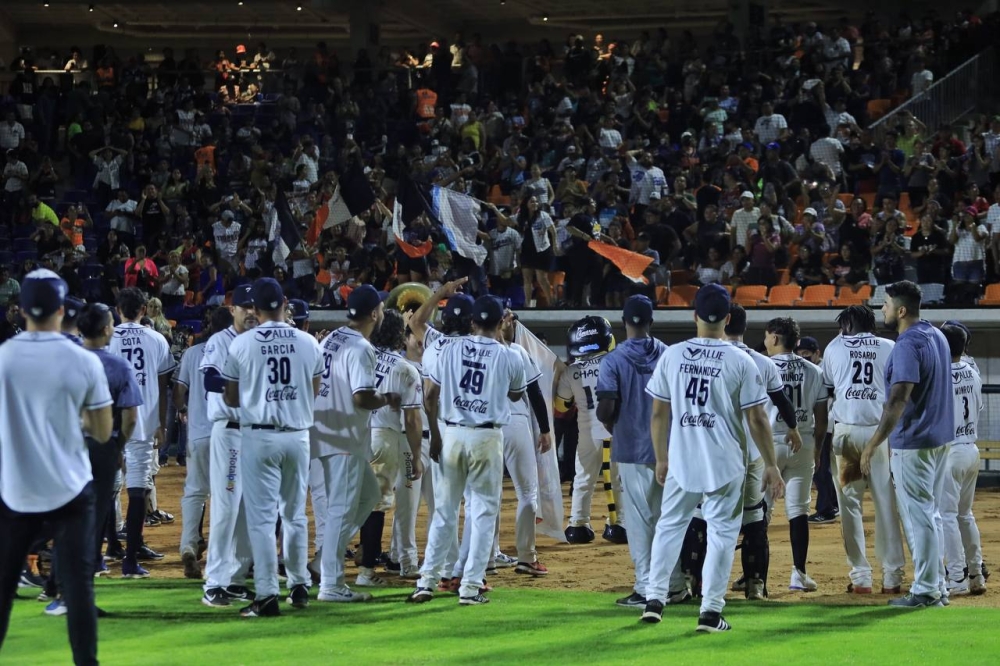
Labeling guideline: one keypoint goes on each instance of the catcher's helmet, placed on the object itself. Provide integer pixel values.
(589, 337)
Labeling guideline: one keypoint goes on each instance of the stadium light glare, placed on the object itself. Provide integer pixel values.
(90, 8)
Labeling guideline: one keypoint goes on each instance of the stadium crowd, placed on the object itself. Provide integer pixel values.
(723, 165)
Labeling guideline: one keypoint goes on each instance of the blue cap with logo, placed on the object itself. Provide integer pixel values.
(266, 294)
(72, 307)
(711, 303)
(487, 311)
(458, 306)
(43, 292)
(638, 310)
(300, 309)
(243, 295)
(363, 301)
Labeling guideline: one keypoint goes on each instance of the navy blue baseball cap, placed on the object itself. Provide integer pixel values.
(43, 292)
(300, 309)
(487, 311)
(711, 303)
(638, 310)
(956, 323)
(459, 306)
(363, 301)
(72, 307)
(243, 295)
(266, 294)
(807, 343)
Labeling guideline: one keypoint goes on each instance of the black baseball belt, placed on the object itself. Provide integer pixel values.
(275, 428)
(481, 426)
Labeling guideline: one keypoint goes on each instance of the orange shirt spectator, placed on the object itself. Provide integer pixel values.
(205, 155)
(426, 101)
(73, 229)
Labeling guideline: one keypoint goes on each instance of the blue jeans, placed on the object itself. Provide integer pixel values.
(968, 271)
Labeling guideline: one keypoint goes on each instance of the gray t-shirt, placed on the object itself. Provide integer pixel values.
(503, 257)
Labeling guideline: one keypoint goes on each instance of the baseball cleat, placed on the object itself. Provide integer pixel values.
(958, 588)
(392, 566)
(29, 579)
(313, 568)
(101, 569)
(477, 600)
(977, 586)
(408, 572)
(634, 600)
(266, 607)
(504, 561)
(420, 595)
(344, 595)
(56, 607)
(858, 589)
(653, 613)
(915, 601)
(147, 554)
(216, 598)
(740, 585)
(712, 623)
(802, 581)
(615, 534)
(162, 516)
(151, 521)
(115, 553)
(133, 570)
(678, 596)
(822, 518)
(531, 568)
(891, 590)
(491, 570)
(755, 590)
(190, 562)
(298, 597)
(579, 534)
(368, 578)
(239, 593)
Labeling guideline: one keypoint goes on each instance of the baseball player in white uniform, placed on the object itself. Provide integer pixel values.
(755, 552)
(471, 381)
(229, 554)
(149, 355)
(409, 493)
(707, 395)
(340, 438)
(854, 369)
(192, 410)
(963, 550)
(395, 437)
(589, 339)
(803, 386)
(272, 376)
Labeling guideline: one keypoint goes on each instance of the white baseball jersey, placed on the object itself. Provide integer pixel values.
(854, 367)
(437, 342)
(46, 381)
(394, 374)
(475, 375)
(275, 365)
(968, 401)
(772, 382)
(216, 353)
(521, 407)
(148, 353)
(425, 424)
(803, 386)
(188, 374)
(349, 362)
(708, 384)
(578, 384)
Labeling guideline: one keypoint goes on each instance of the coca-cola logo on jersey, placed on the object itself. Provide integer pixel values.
(283, 394)
(474, 406)
(324, 390)
(689, 420)
(866, 393)
(968, 430)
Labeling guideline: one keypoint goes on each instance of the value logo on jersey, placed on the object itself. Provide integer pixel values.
(271, 334)
(283, 394)
(702, 354)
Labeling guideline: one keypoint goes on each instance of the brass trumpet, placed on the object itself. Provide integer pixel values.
(409, 296)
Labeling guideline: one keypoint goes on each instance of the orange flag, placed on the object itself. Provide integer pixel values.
(412, 251)
(631, 264)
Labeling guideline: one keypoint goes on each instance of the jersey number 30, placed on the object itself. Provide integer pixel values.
(279, 370)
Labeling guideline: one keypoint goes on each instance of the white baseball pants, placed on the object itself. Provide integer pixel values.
(473, 456)
(589, 458)
(317, 495)
(139, 459)
(352, 493)
(229, 548)
(519, 457)
(722, 510)
(403, 548)
(888, 537)
(797, 471)
(197, 486)
(918, 476)
(643, 498)
(275, 467)
(387, 457)
(962, 545)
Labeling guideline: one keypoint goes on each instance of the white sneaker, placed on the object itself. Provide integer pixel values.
(409, 573)
(368, 578)
(802, 581)
(977, 586)
(344, 595)
(504, 561)
(958, 588)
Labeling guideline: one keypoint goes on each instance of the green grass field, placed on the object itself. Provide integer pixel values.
(162, 622)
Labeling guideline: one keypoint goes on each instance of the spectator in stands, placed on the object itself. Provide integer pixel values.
(9, 287)
(930, 250)
(888, 251)
(537, 249)
(847, 269)
(123, 217)
(40, 212)
(968, 261)
(807, 268)
(12, 132)
(12, 323)
(15, 180)
(764, 243)
(141, 272)
(109, 162)
(174, 281)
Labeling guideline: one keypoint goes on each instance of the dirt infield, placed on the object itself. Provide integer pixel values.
(601, 566)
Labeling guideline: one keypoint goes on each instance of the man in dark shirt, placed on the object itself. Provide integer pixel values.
(930, 249)
(582, 266)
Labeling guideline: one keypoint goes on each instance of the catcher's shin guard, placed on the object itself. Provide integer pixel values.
(755, 553)
(693, 553)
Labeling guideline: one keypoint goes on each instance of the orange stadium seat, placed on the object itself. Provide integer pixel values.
(818, 293)
(675, 300)
(784, 294)
(992, 296)
(661, 295)
(751, 293)
(685, 292)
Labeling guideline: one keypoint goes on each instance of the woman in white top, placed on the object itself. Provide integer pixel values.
(108, 161)
(537, 249)
(539, 187)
